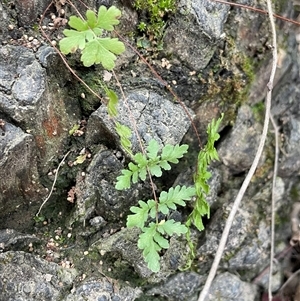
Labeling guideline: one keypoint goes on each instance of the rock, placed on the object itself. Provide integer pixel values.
(45, 116)
(228, 287)
(25, 277)
(3, 21)
(238, 234)
(155, 117)
(103, 289)
(179, 287)
(44, 110)
(290, 163)
(186, 178)
(19, 185)
(13, 240)
(193, 35)
(252, 256)
(124, 244)
(97, 195)
(30, 10)
(238, 150)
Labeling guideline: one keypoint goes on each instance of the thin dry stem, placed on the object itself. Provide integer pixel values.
(258, 10)
(221, 247)
(176, 97)
(276, 133)
(139, 139)
(62, 56)
(54, 182)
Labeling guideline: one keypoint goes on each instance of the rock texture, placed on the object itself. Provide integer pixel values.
(26, 277)
(238, 150)
(152, 115)
(216, 58)
(192, 38)
(228, 287)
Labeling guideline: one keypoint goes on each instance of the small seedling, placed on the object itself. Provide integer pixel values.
(151, 216)
(87, 35)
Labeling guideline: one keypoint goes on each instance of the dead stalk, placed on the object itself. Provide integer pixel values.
(55, 179)
(273, 205)
(221, 247)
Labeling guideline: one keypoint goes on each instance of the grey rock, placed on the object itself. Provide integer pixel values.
(186, 178)
(180, 287)
(19, 186)
(25, 277)
(211, 16)
(3, 21)
(103, 290)
(155, 117)
(290, 163)
(45, 55)
(238, 150)
(14, 240)
(125, 244)
(228, 287)
(254, 254)
(277, 276)
(29, 11)
(97, 195)
(192, 36)
(44, 110)
(238, 233)
(97, 222)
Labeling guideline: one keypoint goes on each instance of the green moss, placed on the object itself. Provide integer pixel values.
(228, 82)
(258, 110)
(294, 193)
(35, 27)
(153, 15)
(280, 5)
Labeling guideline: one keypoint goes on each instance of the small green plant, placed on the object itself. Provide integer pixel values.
(151, 216)
(152, 162)
(153, 238)
(202, 175)
(87, 35)
(153, 14)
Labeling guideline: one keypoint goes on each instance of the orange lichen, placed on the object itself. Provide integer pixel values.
(52, 125)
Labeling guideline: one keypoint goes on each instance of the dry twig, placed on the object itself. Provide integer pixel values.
(253, 167)
(276, 133)
(55, 178)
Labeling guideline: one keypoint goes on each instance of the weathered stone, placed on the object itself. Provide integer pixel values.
(154, 117)
(124, 243)
(238, 150)
(12, 240)
(3, 21)
(228, 287)
(103, 290)
(25, 277)
(290, 163)
(30, 10)
(97, 195)
(238, 234)
(186, 178)
(192, 37)
(44, 110)
(182, 286)
(20, 190)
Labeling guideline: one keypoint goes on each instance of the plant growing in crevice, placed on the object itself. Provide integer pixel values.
(88, 36)
(153, 17)
(151, 216)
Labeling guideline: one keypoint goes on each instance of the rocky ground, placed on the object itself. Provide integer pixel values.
(216, 58)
